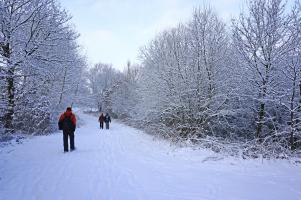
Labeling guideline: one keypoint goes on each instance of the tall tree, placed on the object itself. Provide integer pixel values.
(263, 39)
(34, 37)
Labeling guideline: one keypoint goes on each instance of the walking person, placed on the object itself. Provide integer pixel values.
(107, 120)
(67, 123)
(101, 120)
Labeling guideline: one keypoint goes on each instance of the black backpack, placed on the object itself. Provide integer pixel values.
(107, 118)
(67, 124)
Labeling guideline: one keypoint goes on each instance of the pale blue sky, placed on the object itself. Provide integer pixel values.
(112, 31)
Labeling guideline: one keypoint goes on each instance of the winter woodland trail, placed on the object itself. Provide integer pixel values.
(124, 163)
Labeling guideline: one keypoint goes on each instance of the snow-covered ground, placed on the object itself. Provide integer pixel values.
(125, 164)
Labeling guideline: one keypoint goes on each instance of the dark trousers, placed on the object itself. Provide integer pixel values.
(69, 134)
(107, 125)
(101, 125)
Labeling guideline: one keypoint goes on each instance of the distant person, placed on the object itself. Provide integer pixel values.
(101, 119)
(107, 120)
(67, 123)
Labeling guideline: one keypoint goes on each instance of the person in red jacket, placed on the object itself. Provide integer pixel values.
(101, 120)
(67, 123)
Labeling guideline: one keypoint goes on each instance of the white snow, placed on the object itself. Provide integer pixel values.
(124, 163)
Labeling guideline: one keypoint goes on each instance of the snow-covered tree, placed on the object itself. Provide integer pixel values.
(37, 45)
(101, 79)
(264, 39)
(185, 74)
(126, 95)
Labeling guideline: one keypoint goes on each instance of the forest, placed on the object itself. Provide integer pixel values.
(231, 87)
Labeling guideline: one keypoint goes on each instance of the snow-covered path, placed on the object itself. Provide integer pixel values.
(124, 163)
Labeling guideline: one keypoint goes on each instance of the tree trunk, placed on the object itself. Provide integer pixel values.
(260, 121)
(261, 112)
(75, 94)
(63, 86)
(292, 114)
(10, 90)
